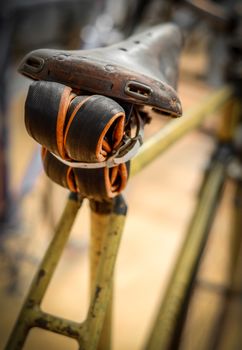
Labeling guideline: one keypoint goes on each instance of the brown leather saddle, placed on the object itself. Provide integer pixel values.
(85, 107)
(141, 70)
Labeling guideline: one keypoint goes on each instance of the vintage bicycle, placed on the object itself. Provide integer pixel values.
(95, 165)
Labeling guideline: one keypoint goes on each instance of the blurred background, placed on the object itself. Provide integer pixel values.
(160, 199)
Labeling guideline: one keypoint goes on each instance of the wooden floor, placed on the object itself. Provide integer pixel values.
(160, 199)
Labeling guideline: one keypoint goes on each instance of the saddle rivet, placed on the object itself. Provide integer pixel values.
(109, 68)
(61, 57)
(161, 86)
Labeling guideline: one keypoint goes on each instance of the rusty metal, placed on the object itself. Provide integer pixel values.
(100, 219)
(102, 291)
(31, 314)
(88, 332)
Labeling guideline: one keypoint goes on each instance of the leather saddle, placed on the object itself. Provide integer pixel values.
(141, 70)
(85, 107)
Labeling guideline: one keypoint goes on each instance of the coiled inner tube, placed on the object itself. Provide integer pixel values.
(88, 128)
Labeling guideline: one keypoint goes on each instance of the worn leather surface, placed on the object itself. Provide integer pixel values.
(141, 70)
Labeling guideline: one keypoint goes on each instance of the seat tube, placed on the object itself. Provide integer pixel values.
(100, 218)
(107, 222)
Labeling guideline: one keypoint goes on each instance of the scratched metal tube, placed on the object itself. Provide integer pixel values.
(43, 276)
(100, 219)
(56, 324)
(102, 290)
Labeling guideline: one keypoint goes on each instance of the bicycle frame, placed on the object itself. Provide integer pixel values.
(107, 222)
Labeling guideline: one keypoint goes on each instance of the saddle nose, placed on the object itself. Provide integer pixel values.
(141, 70)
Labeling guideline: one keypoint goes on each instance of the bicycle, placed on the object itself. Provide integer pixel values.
(180, 287)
